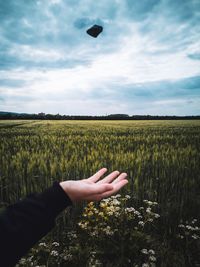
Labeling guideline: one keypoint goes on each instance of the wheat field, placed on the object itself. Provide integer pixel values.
(161, 158)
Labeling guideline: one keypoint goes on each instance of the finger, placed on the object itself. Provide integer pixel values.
(116, 188)
(94, 178)
(98, 197)
(119, 178)
(109, 178)
(100, 189)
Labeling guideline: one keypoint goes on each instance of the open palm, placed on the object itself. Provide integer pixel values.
(94, 188)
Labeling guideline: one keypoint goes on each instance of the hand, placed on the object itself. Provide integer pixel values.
(94, 189)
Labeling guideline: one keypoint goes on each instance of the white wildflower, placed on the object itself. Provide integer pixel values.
(56, 244)
(195, 236)
(152, 258)
(194, 221)
(42, 244)
(54, 253)
(188, 227)
(116, 202)
(144, 251)
(141, 223)
(137, 213)
(152, 252)
(148, 210)
(131, 209)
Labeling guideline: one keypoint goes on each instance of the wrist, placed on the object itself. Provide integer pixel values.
(66, 185)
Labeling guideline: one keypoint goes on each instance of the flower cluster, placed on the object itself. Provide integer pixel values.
(150, 258)
(50, 251)
(144, 215)
(112, 226)
(106, 217)
(189, 230)
(93, 261)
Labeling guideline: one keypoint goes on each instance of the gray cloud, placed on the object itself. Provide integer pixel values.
(12, 83)
(12, 62)
(39, 24)
(139, 10)
(50, 35)
(159, 90)
(195, 56)
(174, 25)
(82, 23)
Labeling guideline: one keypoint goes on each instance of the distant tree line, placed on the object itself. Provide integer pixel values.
(43, 116)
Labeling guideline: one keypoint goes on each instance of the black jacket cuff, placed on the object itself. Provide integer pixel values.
(56, 199)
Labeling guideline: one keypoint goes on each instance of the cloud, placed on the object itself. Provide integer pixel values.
(139, 10)
(171, 90)
(82, 23)
(195, 56)
(147, 54)
(11, 83)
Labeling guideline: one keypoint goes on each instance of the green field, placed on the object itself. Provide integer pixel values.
(161, 158)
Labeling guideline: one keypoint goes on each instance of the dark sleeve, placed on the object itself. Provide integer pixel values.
(27, 221)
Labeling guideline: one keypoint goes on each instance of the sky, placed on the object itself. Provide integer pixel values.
(146, 60)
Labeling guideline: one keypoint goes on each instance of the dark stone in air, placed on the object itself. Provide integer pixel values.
(95, 30)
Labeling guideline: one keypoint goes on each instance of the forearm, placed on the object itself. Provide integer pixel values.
(26, 222)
